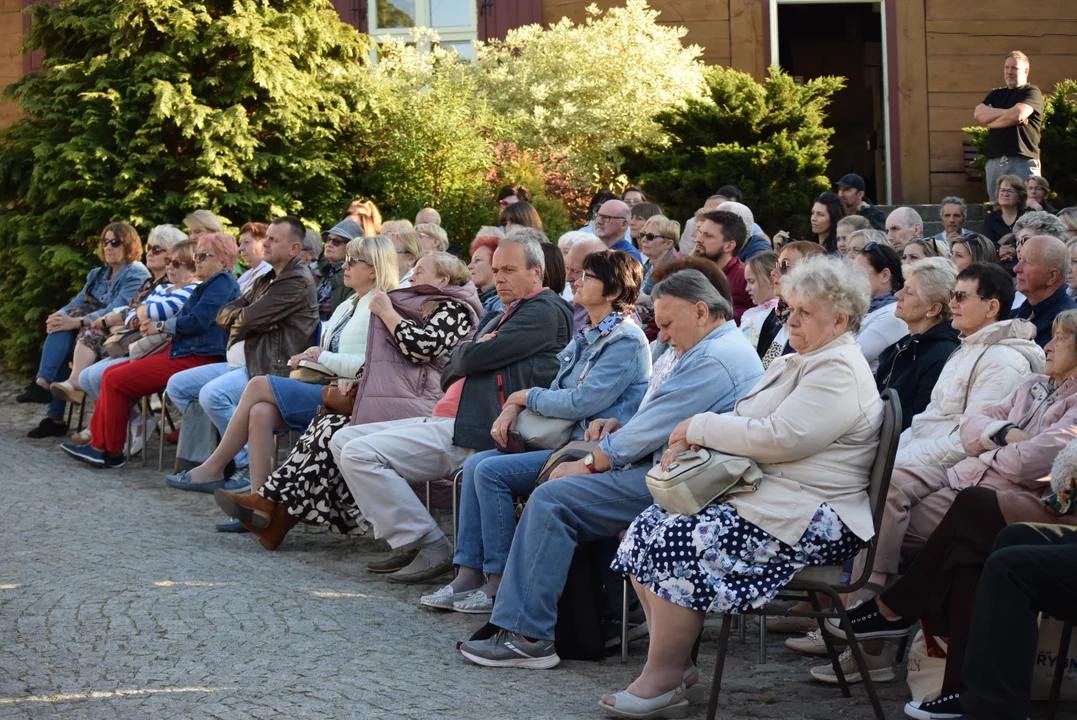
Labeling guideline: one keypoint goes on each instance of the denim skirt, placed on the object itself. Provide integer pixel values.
(297, 401)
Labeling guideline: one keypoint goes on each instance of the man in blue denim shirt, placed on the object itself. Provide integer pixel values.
(597, 497)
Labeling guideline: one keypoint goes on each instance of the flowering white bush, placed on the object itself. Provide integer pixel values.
(589, 88)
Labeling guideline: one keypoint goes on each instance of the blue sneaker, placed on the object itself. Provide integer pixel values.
(183, 482)
(240, 482)
(231, 526)
(92, 456)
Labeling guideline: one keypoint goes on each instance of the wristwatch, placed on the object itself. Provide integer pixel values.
(589, 462)
(160, 326)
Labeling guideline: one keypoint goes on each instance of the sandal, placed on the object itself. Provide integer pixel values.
(667, 705)
(696, 692)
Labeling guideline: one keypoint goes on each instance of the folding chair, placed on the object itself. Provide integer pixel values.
(71, 413)
(811, 582)
(1061, 661)
(454, 484)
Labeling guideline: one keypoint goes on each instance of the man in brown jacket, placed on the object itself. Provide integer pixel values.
(274, 321)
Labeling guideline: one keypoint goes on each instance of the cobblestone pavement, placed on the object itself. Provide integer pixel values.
(118, 600)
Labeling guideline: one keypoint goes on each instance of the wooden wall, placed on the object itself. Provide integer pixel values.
(967, 41)
(11, 63)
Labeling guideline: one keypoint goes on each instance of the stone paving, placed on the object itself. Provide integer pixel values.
(118, 600)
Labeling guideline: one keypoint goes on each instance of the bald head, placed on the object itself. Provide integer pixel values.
(611, 221)
(1042, 267)
(903, 225)
(576, 254)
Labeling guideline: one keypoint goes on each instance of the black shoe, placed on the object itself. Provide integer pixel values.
(947, 707)
(34, 393)
(869, 624)
(48, 428)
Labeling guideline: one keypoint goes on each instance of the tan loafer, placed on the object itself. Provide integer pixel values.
(66, 392)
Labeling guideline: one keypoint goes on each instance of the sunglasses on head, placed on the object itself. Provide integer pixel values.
(113, 243)
(654, 236)
(352, 261)
(201, 257)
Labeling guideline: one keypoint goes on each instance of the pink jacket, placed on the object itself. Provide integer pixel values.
(1020, 471)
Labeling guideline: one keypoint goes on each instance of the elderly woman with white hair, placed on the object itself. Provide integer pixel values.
(565, 244)
(432, 237)
(90, 359)
(812, 425)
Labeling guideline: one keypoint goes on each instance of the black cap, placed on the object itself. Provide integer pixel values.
(852, 180)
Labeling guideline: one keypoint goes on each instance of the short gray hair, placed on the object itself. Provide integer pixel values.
(693, 286)
(531, 240)
(435, 231)
(936, 278)
(312, 243)
(831, 282)
(489, 231)
(574, 236)
(741, 210)
(954, 200)
(1041, 223)
(168, 235)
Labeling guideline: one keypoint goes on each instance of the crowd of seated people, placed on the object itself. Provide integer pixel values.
(398, 365)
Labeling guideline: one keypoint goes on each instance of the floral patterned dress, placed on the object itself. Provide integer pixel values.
(717, 562)
(308, 483)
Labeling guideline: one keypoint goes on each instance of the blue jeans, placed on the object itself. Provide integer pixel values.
(55, 366)
(487, 514)
(560, 515)
(217, 388)
(90, 378)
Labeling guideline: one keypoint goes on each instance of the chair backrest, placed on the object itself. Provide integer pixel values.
(881, 470)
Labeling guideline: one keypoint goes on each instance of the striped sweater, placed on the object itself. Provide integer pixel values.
(165, 301)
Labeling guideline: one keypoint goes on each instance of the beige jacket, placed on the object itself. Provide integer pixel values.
(812, 424)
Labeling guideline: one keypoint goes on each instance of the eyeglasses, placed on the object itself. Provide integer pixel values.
(177, 264)
(201, 257)
(870, 247)
(960, 296)
(599, 217)
(334, 240)
(653, 236)
(352, 261)
(588, 276)
(155, 249)
(1006, 191)
(113, 243)
(785, 266)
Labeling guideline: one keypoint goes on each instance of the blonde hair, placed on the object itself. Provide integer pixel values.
(203, 221)
(396, 226)
(855, 222)
(380, 252)
(410, 240)
(449, 266)
(434, 231)
(937, 276)
(167, 234)
(670, 229)
(367, 215)
(184, 251)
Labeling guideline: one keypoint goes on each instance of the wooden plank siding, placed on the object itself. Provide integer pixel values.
(966, 43)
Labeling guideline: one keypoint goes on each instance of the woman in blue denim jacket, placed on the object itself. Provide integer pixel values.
(596, 380)
(107, 287)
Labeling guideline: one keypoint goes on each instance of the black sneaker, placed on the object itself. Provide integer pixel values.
(48, 428)
(34, 393)
(869, 624)
(946, 707)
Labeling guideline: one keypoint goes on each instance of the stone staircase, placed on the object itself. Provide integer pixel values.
(933, 219)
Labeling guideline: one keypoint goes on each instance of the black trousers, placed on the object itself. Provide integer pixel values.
(1033, 569)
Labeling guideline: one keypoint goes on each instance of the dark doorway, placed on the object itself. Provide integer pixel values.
(843, 39)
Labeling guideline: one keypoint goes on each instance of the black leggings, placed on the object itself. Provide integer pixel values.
(940, 586)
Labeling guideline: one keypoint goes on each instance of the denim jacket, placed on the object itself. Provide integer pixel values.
(711, 377)
(194, 329)
(127, 282)
(615, 381)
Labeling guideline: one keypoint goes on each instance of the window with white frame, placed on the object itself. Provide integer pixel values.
(454, 20)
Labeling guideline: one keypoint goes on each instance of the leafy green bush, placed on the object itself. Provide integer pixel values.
(148, 110)
(589, 88)
(767, 139)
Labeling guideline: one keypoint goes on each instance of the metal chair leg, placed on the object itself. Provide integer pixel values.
(1061, 661)
(455, 482)
(428, 496)
(82, 412)
(145, 426)
(858, 656)
(161, 433)
(831, 649)
(719, 667)
(762, 639)
(742, 629)
(624, 621)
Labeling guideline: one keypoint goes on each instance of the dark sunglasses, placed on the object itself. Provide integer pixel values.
(351, 261)
(961, 296)
(177, 264)
(785, 266)
(334, 240)
(653, 236)
(156, 249)
(201, 257)
(114, 243)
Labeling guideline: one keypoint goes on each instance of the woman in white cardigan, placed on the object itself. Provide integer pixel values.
(271, 403)
(812, 424)
(881, 327)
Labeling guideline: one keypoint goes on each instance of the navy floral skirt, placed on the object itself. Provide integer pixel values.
(717, 562)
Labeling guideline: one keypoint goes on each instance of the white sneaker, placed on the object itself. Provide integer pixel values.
(879, 668)
(810, 644)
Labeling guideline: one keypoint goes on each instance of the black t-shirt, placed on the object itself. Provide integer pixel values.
(1020, 139)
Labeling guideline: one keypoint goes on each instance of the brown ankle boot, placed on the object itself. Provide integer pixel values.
(272, 536)
(251, 509)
